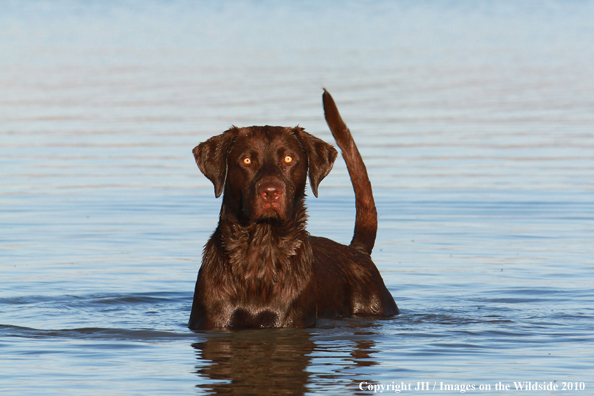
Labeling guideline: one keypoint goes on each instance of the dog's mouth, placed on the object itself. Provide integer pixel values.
(269, 211)
(272, 221)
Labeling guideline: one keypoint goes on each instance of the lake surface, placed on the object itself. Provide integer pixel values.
(476, 121)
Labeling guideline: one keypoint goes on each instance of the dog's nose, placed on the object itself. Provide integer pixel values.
(270, 191)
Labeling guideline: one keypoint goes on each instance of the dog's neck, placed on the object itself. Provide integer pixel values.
(263, 251)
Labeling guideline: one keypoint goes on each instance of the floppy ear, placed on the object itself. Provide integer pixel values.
(211, 157)
(320, 157)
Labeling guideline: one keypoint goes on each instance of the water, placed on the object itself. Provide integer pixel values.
(475, 120)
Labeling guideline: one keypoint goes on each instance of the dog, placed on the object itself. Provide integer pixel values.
(261, 268)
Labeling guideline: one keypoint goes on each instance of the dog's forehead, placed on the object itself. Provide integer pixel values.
(267, 136)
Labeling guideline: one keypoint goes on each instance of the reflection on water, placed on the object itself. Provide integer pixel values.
(287, 361)
(255, 362)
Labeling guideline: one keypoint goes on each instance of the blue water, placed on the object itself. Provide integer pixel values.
(476, 121)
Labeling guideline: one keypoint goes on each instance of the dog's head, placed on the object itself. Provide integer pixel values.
(263, 170)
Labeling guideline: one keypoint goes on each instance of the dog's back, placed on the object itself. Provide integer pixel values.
(348, 282)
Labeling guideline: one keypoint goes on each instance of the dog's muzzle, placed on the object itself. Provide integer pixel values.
(270, 199)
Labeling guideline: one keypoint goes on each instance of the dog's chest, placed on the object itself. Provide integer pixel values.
(262, 255)
(259, 266)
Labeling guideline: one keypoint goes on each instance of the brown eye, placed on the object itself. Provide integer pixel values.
(247, 161)
(288, 159)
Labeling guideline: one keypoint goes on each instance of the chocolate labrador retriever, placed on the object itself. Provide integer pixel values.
(261, 268)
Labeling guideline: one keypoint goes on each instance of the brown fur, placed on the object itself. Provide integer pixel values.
(261, 268)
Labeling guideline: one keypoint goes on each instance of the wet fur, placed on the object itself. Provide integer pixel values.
(261, 268)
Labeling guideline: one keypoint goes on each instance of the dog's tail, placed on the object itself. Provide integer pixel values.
(366, 220)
